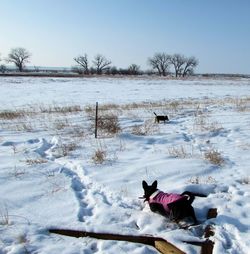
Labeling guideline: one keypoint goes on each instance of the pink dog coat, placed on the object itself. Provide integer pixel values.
(164, 199)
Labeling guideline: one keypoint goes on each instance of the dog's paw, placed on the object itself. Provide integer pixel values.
(186, 223)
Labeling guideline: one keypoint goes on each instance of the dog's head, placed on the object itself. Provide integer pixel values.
(148, 189)
(166, 118)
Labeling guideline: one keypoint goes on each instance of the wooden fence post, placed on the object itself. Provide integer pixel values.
(96, 119)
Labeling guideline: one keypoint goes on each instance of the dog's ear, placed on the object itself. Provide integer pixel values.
(144, 184)
(154, 185)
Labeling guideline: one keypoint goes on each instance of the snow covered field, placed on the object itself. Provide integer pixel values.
(50, 175)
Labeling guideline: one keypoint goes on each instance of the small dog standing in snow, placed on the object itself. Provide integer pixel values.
(175, 206)
(161, 118)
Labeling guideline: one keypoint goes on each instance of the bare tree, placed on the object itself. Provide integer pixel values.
(101, 63)
(83, 62)
(3, 68)
(190, 64)
(160, 62)
(19, 56)
(178, 61)
(134, 69)
(113, 70)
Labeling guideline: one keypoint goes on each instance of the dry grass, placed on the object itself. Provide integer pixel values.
(179, 152)
(99, 156)
(27, 127)
(35, 161)
(241, 105)
(55, 184)
(11, 115)
(76, 131)
(175, 105)
(89, 110)
(110, 106)
(108, 124)
(18, 172)
(66, 149)
(202, 180)
(4, 216)
(148, 128)
(214, 157)
(60, 109)
(203, 123)
(61, 124)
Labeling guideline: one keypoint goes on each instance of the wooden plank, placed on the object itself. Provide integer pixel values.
(166, 248)
(160, 244)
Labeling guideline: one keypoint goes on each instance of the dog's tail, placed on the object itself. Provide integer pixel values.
(192, 195)
(155, 113)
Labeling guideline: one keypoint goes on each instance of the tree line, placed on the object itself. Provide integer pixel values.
(161, 63)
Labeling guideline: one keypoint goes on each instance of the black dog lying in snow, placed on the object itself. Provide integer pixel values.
(175, 206)
(161, 118)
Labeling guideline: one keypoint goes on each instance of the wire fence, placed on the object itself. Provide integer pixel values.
(62, 118)
(78, 119)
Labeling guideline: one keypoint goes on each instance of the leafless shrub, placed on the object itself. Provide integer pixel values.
(179, 152)
(109, 124)
(67, 148)
(99, 156)
(138, 130)
(64, 148)
(148, 128)
(35, 161)
(214, 157)
(202, 180)
(214, 127)
(56, 184)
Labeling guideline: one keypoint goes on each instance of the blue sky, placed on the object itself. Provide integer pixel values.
(217, 32)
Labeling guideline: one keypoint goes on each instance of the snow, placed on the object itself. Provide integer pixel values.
(44, 186)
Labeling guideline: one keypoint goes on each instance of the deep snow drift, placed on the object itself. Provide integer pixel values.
(50, 177)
